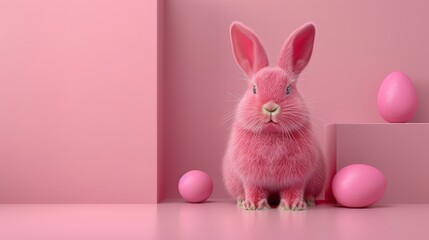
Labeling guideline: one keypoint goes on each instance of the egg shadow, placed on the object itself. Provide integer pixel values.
(373, 207)
(422, 115)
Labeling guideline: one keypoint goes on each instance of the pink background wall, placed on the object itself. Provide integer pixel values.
(357, 44)
(78, 96)
(79, 93)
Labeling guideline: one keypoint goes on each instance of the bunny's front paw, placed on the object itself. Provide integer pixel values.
(292, 199)
(251, 205)
(296, 205)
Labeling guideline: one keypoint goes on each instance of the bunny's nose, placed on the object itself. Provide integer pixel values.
(271, 108)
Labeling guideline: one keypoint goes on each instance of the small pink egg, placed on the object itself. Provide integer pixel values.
(397, 98)
(195, 186)
(358, 185)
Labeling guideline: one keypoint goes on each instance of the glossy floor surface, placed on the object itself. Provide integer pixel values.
(212, 220)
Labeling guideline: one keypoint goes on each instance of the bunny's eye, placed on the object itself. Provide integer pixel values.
(254, 89)
(288, 90)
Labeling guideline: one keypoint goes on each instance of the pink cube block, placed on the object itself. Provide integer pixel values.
(400, 151)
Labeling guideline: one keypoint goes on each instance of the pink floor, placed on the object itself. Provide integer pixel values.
(212, 220)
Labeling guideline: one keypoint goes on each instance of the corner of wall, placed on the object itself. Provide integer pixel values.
(160, 97)
(330, 157)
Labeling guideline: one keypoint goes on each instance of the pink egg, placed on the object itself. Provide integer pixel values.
(358, 185)
(397, 98)
(195, 186)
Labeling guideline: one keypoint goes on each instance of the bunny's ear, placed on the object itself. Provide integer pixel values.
(296, 51)
(248, 50)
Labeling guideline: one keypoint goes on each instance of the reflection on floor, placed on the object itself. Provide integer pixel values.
(211, 220)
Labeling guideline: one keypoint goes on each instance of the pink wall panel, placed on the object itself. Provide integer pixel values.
(78, 95)
(357, 44)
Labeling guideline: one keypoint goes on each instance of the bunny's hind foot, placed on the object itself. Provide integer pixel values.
(310, 201)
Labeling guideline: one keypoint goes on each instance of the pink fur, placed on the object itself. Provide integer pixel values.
(271, 149)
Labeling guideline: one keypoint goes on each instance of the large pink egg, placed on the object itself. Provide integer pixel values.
(397, 100)
(358, 185)
(195, 186)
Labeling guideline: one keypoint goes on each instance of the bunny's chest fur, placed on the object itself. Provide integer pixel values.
(273, 159)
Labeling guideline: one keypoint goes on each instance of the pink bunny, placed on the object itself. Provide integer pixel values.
(271, 150)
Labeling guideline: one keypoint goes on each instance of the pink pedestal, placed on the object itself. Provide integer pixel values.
(400, 151)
